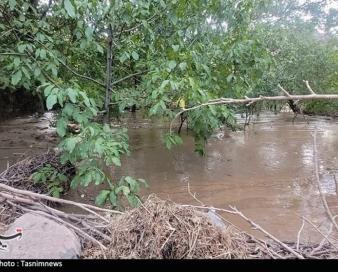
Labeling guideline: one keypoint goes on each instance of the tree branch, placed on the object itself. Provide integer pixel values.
(108, 73)
(256, 226)
(247, 100)
(309, 87)
(81, 76)
(128, 76)
(140, 24)
(12, 54)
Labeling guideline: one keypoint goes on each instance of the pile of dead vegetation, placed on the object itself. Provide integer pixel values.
(161, 229)
(19, 174)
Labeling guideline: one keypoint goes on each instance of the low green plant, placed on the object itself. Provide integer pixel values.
(52, 178)
(127, 187)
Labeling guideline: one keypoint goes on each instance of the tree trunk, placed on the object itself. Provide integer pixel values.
(108, 74)
(294, 107)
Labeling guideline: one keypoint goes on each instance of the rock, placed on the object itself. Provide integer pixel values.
(41, 238)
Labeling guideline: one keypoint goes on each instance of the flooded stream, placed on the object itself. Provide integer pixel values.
(267, 171)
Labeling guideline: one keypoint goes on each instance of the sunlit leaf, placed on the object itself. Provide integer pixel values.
(69, 8)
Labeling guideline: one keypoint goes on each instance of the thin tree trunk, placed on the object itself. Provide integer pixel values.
(108, 74)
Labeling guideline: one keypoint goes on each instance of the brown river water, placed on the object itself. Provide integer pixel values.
(267, 171)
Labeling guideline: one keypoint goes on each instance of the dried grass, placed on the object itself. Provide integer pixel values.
(165, 230)
(18, 175)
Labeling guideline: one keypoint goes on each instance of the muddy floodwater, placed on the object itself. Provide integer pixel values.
(267, 171)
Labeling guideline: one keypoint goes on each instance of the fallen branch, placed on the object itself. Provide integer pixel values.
(83, 206)
(322, 243)
(298, 235)
(263, 244)
(248, 101)
(194, 196)
(256, 226)
(336, 183)
(319, 231)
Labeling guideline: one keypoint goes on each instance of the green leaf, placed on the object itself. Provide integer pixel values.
(47, 91)
(134, 186)
(133, 200)
(164, 84)
(172, 64)
(89, 32)
(102, 197)
(99, 48)
(16, 62)
(51, 101)
(22, 47)
(36, 177)
(87, 179)
(85, 99)
(26, 73)
(99, 148)
(69, 8)
(135, 55)
(175, 47)
(12, 4)
(183, 66)
(113, 198)
(230, 77)
(172, 139)
(98, 177)
(61, 127)
(75, 182)
(62, 178)
(116, 161)
(60, 96)
(37, 71)
(68, 109)
(92, 131)
(56, 192)
(163, 4)
(16, 77)
(125, 190)
(70, 144)
(42, 53)
(124, 57)
(93, 110)
(72, 94)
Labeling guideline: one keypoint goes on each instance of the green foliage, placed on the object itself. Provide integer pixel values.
(299, 51)
(127, 187)
(322, 108)
(52, 178)
(171, 139)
